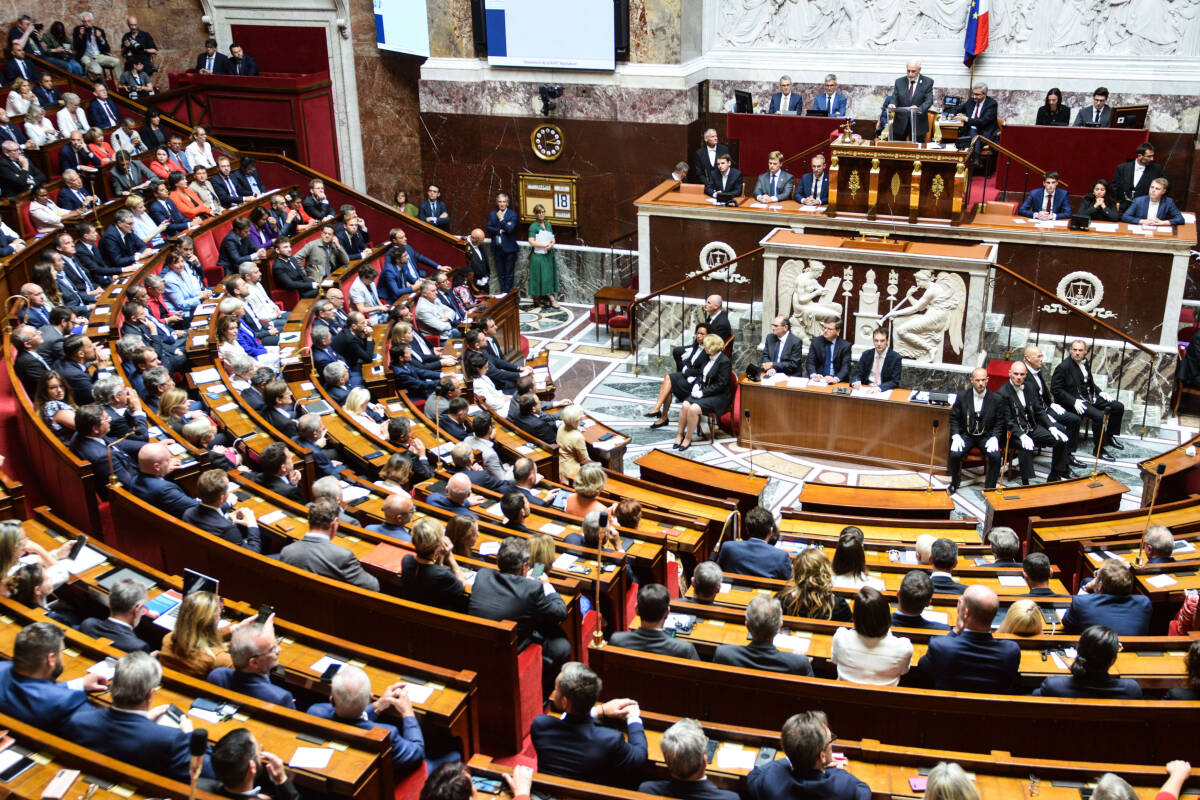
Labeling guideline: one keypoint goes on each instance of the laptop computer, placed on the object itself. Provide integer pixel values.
(817, 112)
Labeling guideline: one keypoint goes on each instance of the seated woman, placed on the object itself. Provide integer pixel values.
(196, 644)
(1024, 618)
(71, 117)
(541, 550)
(711, 393)
(38, 127)
(202, 433)
(30, 585)
(228, 347)
(15, 545)
(810, 591)
(396, 475)
(1101, 203)
(1192, 663)
(462, 531)
(850, 562)
(869, 653)
(949, 781)
(100, 148)
(20, 98)
(358, 404)
(189, 203)
(678, 384)
(572, 447)
(144, 226)
(53, 398)
(589, 484)
(475, 367)
(1096, 652)
(432, 576)
(161, 165)
(261, 235)
(44, 213)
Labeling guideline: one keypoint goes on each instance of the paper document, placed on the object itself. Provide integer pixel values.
(324, 663)
(418, 693)
(1161, 581)
(565, 560)
(87, 558)
(553, 528)
(795, 644)
(735, 756)
(936, 616)
(272, 518)
(1012, 581)
(489, 548)
(311, 758)
(202, 376)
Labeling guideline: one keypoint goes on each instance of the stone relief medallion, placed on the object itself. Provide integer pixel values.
(714, 254)
(1083, 290)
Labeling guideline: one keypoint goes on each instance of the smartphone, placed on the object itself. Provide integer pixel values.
(264, 613)
(22, 764)
(765, 756)
(537, 570)
(486, 785)
(205, 704)
(172, 715)
(77, 546)
(330, 671)
(606, 437)
(711, 751)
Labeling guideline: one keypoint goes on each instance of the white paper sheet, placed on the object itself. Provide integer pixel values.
(1161, 581)
(418, 693)
(553, 528)
(1013, 581)
(311, 758)
(489, 548)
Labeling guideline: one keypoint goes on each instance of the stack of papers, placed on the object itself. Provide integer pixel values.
(202, 376)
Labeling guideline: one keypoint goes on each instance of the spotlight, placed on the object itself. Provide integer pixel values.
(548, 95)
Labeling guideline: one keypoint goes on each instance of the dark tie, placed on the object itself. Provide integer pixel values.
(112, 120)
(774, 180)
(829, 358)
(912, 90)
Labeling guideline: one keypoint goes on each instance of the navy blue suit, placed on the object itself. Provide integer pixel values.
(97, 453)
(755, 557)
(162, 493)
(732, 183)
(576, 747)
(1127, 614)
(253, 684)
(1139, 209)
(120, 248)
(235, 250)
(226, 187)
(805, 188)
(890, 374)
(433, 209)
(821, 103)
(92, 259)
(395, 531)
(77, 378)
(70, 158)
(213, 521)
(777, 781)
(134, 739)
(163, 208)
(392, 284)
(97, 113)
(439, 500)
(971, 661)
(687, 790)
(120, 634)
(71, 199)
(916, 621)
(794, 103)
(415, 380)
(945, 585)
(1061, 205)
(408, 746)
(38, 702)
(842, 357)
(1107, 688)
(503, 230)
(321, 460)
(248, 183)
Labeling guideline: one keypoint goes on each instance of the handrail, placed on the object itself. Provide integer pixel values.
(1116, 333)
(1002, 149)
(818, 146)
(708, 271)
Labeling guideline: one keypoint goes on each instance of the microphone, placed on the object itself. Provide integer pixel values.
(112, 476)
(932, 446)
(197, 747)
(1159, 469)
(749, 440)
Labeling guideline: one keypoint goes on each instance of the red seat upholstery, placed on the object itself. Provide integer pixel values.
(27, 228)
(286, 298)
(997, 374)
(529, 665)
(599, 314)
(410, 788)
(524, 347)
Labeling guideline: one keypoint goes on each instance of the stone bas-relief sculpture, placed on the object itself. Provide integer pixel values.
(810, 303)
(1081, 27)
(920, 323)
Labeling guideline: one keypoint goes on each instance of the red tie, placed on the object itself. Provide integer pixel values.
(977, 108)
(912, 90)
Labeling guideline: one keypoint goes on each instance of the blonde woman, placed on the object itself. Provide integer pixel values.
(711, 394)
(14, 544)
(396, 474)
(948, 781)
(589, 484)
(196, 642)
(572, 447)
(810, 591)
(39, 128)
(21, 98)
(1024, 618)
(541, 550)
(463, 532)
(432, 576)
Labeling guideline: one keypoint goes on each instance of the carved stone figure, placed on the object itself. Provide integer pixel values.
(812, 303)
(921, 323)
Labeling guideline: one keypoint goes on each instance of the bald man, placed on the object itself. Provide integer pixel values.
(477, 262)
(1030, 427)
(154, 462)
(913, 95)
(970, 659)
(976, 420)
(457, 497)
(397, 518)
(1062, 417)
(718, 317)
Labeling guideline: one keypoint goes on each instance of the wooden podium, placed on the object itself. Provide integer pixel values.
(898, 179)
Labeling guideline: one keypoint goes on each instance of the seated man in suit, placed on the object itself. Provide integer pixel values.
(350, 693)
(239, 63)
(829, 357)
(150, 484)
(126, 607)
(323, 355)
(809, 771)
(976, 420)
(310, 434)
(831, 101)
(28, 688)
(515, 508)
(482, 439)
(526, 478)
(397, 518)
(399, 436)
(785, 100)
(571, 744)
(755, 554)
(684, 747)
(317, 553)
(813, 188)
(724, 178)
(764, 618)
(1158, 544)
(916, 590)
(91, 442)
(718, 318)
(503, 373)
(354, 344)
(1035, 569)
(1030, 427)
(533, 420)
(706, 582)
(289, 275)
(1098, 114)
(943, 556)
(336, 380)
(1074, 386)
(413, 379)
(1154, 209)
(653, 605)
(239, 527)
(508, 593)
(1109, 599)
(128, 730)
(243, 769)
(29, 363)
(878, 368)
(979, 117)
(969, 659)
(704, 162)
(211, 62)
(1132, 178)
(462, 458)
(277, 472)
(455, 419)
(255, 652)
(76, 155)
(457, 498)
(775, 184)
(1049, 202)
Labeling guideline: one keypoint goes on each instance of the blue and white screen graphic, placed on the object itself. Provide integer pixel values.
(402, 26)
(561, 34)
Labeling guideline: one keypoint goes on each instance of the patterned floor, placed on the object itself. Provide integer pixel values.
(603, 382)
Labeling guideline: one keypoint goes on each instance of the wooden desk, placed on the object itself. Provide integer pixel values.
(816, 422)
(1179, 479)
(909, 181)
(881, 533)
(866, 501)
(667, 468)
(1015, 506)
(1073, 152)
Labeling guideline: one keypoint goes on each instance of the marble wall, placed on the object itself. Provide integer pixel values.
(450, 32)
(655, 31)
(585, 101)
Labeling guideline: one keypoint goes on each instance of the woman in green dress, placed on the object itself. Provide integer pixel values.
(401, 204)
(543, 277)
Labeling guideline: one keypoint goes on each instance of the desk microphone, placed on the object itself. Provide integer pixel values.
(932, 445)
(1159, 469)
(197, 747)
(749, 440)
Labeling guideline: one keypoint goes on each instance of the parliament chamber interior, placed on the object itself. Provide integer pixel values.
(449, 399)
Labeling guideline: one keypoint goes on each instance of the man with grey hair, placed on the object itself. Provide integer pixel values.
(569, 743)
(128, 730)
(125, 413)
(311, 433)
(29, 364)
(785, 101)
(831, 101)
(764, 618)
(316, 551)
(706, 582)
(126, 607)
(704, 161)
(331, 487)
(979, 117)
(255, 652)
(912, 96)
(258, 381)
(680, 172)
(350, 693)
(91, 47)
(258, 302)
(1006, 546)
(155, 381)
(322, 350)
(336, 380)
(1159, 545)
(17, 175)
(685, 749)
(73, 194)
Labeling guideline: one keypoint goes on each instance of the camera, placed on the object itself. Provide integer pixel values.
(548, 95)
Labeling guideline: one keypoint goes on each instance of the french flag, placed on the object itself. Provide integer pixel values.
(977, 31)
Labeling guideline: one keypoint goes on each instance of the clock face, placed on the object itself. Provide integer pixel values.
(548, 142)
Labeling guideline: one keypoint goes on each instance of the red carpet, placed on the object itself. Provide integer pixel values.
(977, 192)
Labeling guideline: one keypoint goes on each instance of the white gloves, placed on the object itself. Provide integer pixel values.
(992, 445)
(1057, 409)
(1058, 434)
(1080, 406)
(1026, 441)
(1104, 396)
(957, 444)
(697, 391)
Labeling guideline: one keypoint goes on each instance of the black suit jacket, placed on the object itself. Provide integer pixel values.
(701, 169)
(498, 596)
(719, 324)
(356, 350)
(119, 249)
(15, 181)
(219, 61)
(281, 422)
(922, 98)
(92, 259)
(289, 275)
(890, 374)
(213, 521)
(246, 65)
(70, 158)
(30, 370)
(226, 187)
(792, 360)
(762, 655)
(990, 420)
(540, 426)
(1067, 383)
(120, 634)
(653, 640)
(1023, 418)
(842, 357)
(732, 183)
(1122, 182)
(944, 585)
(986, 125)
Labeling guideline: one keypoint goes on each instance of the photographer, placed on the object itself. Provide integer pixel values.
(137, 45)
